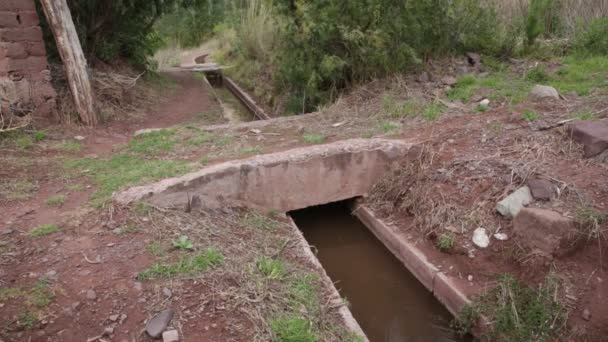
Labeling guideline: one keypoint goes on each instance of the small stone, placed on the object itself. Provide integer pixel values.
(484, 102)
(113, 318)
(451, 141)
(91, 295)
(138, 286)
(158, 323)
(540, 92)
(586, 314)
(123, 318)
(108, 331)
(423, 77)
(470, 278)
(501, 236)
(171, 336)
(111, 244)
(75, 306)
(79, 137)
(255, 131)
(512, 204)
(541, 189)
(480, 238)
(167, 292)
(449, 80)
(51, 275)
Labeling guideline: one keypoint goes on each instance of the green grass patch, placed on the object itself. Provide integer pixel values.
(69, 146)
(41, 295)
(27, 320)
(271, 268)
(44, 230)
(313, 138)
(258, 221)
(15, 190)
(155, 248)
(432, 111)
(519, 312)
(387, 126)
(201, 139)
(502, 86)
(581, 75)
(153, 143)
(124, 170)
(183, 242)
(55, 200)
(39, 136)
(586, 115)
(292, 328)
(142, 208)
(445, 242)
(251, 150)
(529, 115)
(186, 266)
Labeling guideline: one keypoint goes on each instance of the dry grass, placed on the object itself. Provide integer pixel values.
(571, 12)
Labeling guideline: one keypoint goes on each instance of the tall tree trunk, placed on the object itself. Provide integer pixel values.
(75, 65)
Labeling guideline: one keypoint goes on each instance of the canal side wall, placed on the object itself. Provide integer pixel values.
(335, 299)
(282, 181)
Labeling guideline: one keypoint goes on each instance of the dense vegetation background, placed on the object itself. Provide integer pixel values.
(306, 52)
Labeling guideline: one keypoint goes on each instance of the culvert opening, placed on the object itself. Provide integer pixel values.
(387, 301)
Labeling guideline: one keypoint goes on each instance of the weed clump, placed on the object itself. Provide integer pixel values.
(188, 265)
(445, 242)
(292, 328)
(44, 230)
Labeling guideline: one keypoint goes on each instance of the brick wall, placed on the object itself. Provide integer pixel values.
(24, 75)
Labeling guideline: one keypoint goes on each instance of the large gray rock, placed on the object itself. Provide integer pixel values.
(592, 134)
(544, 230)
(540, 92)
(159, 323)
(512, 204)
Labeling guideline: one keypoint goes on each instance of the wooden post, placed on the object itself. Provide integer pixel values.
(60, 21)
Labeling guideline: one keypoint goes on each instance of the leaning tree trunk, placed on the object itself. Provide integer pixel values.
(75, 65)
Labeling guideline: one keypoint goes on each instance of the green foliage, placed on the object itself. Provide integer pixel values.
(122, 170)
(271, 268)
(69, 146)
(55, 200)
(292, 328)
(337, 42)
(585, 116)
(186, 266)
(537, 74)
(432, 111)
(113, 30)
(466, 320)
(387, 126)
(153, 143)
(581, 75)
(521, 313)
(529, 115)
(39, 135)
(593, 40)
(313, 138)
(445, 242)
(44, 230)
(259, 221)
(536, 19)
(183, 242)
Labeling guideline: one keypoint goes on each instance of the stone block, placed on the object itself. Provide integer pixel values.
(12, 50)
(31, 34)
(27, 65)
(8, 19)
(512, 204)
(542, 189)
(593, 134)
(17, 5)
(28, 18)
(35, 48)
(544, 230)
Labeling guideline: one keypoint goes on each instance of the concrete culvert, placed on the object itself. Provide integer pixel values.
(283, 181)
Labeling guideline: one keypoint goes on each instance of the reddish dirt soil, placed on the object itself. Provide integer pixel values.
(113, 260)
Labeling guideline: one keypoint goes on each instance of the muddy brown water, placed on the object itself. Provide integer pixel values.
(387, 301)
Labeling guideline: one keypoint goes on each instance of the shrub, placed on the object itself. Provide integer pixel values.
(594, 40)
(536, 19)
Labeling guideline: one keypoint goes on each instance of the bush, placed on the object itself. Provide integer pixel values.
(536, 19)
(593, 40)
(329, 45)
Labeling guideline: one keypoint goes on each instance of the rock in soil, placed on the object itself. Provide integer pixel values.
(541, 92)
(171, 336)
(544, 230)
(423, 77)
(586, 314)
(592, 134)
(542, 189)
(449, 80)
(512, 204)
(91, 295)
(159, 323)
(480, 238)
